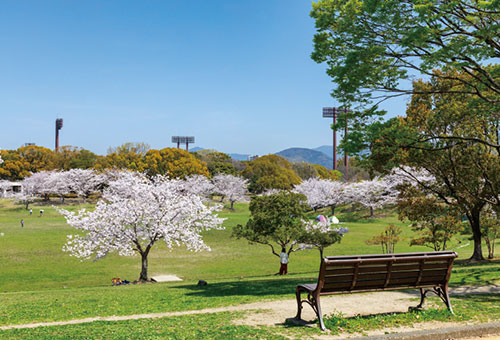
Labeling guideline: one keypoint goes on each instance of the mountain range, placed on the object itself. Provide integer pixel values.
(321, 155)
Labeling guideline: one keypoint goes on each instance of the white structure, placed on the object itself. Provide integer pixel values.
(8, 188)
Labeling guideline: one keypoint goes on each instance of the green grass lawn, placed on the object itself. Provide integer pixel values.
(219, 325)
(32, 257)
(39, 282)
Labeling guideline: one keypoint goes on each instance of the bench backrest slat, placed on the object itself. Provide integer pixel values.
(381, 271)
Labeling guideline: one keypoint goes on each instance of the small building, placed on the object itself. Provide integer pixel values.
(9, 188)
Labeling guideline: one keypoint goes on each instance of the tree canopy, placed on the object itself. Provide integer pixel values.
(270, 172)
(370, 46)
(175, 163)
(465, 171)
(276, 220)
(217, 162)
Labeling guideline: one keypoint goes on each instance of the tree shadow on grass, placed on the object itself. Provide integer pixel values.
(483, 273)
(271, 287)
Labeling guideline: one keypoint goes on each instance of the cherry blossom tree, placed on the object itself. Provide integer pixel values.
(320, 235)
(405, 175)
(83, 181)
(199, 185)
(232, 187)
(374, 193)
(135, 214)
(57, 183)
(323, 193)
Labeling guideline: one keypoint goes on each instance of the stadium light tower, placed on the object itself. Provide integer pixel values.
(331, 112)
(183, 140)
(59, 125)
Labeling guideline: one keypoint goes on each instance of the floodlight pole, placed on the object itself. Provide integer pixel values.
(346, 159)
(327, 113)
(334, 139)
(59, 125)
(184, 140)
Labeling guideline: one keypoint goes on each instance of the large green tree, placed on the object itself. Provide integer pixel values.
(276, 220)
(126, 156)
(175, 163)
(373, 49)
(465, 171)
(270, 172)
(217, 162)
(371, 45)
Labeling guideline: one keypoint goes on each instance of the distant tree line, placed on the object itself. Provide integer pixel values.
(263, 173)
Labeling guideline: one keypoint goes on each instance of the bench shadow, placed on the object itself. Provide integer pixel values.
(271, 287)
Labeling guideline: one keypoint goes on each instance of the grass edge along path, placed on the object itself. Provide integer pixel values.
(80, 303)
(219, 324)
(479, 290)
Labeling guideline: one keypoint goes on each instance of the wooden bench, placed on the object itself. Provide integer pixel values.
(430, 272)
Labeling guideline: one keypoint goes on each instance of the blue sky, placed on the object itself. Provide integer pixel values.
(237, 75)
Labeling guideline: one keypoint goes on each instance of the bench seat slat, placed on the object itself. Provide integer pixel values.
(382, 275)
(332, 269)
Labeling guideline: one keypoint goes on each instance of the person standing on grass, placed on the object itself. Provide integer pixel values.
(22, 223)
(31, 212)
(41, 212)
(284, 262)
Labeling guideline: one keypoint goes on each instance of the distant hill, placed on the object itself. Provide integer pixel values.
(306, 155)
(326, 149)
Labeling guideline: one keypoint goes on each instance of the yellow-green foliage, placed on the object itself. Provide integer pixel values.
(270, 172)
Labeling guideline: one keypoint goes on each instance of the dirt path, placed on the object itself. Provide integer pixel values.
(276, 312)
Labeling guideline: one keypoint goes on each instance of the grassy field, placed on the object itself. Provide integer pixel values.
(32, 257)
(39, 282)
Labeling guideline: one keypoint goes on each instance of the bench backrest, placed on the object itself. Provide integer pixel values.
(384, 271)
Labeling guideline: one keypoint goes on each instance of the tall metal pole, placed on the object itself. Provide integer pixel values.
(346, 159)
(59, 125)
(57, 139)
(334, 140)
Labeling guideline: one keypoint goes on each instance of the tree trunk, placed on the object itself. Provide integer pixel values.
(321, 253)
(488, 244)
(474, 221)
(333, 209)
(232, 203)
(371, 211)
(144, 269)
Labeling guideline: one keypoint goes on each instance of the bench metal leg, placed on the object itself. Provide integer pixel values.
(423, 294)
(320, 315)
(313, 301)
(441, 291)
(299, 303)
